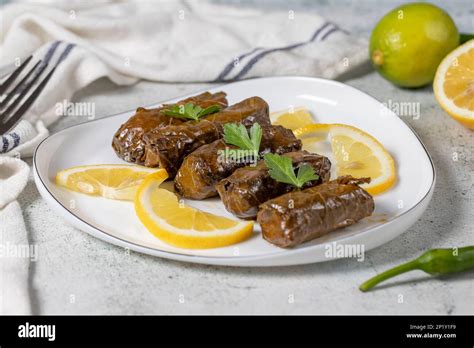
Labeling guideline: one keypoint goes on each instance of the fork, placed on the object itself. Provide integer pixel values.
(16, 102)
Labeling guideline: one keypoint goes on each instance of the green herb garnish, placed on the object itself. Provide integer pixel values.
(190, 111)
(236, 134)
(281, 169)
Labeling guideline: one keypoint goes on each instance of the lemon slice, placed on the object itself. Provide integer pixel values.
(182, 226)
(292, 118)
(114, 181)
(454, 84)
(315, 139)
(352, 152)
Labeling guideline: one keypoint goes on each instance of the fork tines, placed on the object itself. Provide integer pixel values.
(16, 102)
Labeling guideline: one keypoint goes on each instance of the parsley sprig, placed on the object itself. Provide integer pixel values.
(236, 134)
(281, 169)
(190, 111)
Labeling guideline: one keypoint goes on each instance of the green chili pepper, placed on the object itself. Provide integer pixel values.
(434, 262)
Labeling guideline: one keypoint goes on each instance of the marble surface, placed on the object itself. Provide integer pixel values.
(78, 274)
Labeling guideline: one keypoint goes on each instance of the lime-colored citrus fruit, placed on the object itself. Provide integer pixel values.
(454, 84)
(182, 226)
(114, 181)
(410, 41)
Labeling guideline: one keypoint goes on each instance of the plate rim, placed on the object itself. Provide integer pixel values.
(185, 257)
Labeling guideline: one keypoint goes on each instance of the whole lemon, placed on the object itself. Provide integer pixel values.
(409, 42)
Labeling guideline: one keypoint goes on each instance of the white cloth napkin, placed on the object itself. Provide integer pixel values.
(14, 261)
(167, 41)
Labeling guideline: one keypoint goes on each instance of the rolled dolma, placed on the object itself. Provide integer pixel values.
(128, 140)
(248, 111)
(300, 216)
(166, 147)
(205, 167)
(248, 187)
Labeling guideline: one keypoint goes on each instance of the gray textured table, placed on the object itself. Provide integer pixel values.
(76, 273)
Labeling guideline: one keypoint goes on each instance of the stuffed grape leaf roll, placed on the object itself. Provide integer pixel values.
(300, 216)
(248, 187)
(167, 147)
(205, 167)
(128, 140)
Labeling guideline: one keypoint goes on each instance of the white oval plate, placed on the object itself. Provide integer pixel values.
(329, 101)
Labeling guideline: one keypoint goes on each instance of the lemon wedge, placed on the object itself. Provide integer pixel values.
(454, 84)
(182, 226)
(352, 152)
(292, 118)
(114, 181)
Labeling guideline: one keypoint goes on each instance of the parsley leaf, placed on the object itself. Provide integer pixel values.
(256, 136)
(306, 173)
(236, 134)
(190, 111)
(281, 169)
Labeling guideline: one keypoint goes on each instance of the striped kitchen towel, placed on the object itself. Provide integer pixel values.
(170, 41)
(23, 139)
